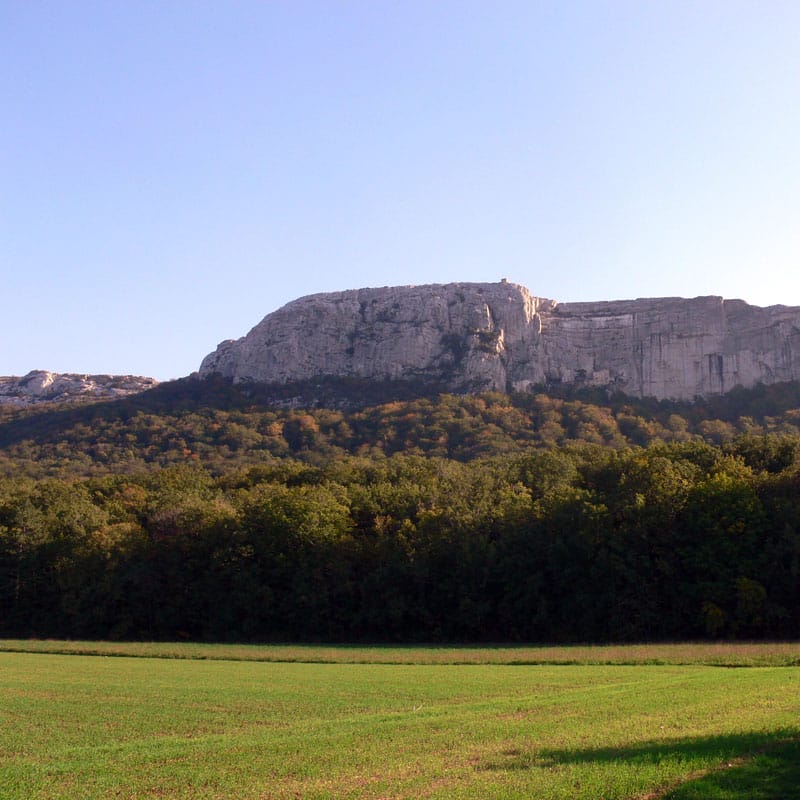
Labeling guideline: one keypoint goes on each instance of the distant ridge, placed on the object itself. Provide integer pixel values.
(41, 386)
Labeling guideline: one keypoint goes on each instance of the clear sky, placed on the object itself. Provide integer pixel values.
(171, 171)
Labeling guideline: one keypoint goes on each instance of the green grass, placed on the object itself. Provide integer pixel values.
(772, 774)
(74, 726)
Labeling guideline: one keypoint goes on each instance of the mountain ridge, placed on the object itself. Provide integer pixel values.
(472, 337)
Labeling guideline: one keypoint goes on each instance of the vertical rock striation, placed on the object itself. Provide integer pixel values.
(497, 336)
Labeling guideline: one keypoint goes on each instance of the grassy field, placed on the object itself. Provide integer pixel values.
(722, 654)
(195, 725)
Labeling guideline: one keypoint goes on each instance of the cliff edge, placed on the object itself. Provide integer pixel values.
(472, 337)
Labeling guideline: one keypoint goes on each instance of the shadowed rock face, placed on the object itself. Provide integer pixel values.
(497, 336)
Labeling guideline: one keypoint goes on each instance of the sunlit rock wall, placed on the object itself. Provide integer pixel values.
(498, 336)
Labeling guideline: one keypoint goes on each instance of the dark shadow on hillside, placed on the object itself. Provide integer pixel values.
(756, 402)
(747, 766)
(47, 423)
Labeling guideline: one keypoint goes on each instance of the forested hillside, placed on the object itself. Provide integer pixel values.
(206, 512)
(225, 427)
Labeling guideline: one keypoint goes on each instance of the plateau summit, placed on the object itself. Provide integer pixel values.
(471, 337)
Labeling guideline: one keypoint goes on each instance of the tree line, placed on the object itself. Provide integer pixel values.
(687, 538)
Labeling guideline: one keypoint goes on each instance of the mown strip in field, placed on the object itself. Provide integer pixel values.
(87, 727)
(724, 654)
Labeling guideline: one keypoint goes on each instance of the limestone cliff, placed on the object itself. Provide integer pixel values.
(497, 336)
(40, 386)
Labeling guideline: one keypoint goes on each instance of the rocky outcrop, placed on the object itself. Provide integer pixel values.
(497, 336)
(40, 386)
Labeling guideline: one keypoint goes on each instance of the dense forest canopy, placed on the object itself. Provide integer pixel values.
(206, 512)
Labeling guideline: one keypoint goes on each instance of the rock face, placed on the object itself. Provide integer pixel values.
(40, 386)
(497, 336)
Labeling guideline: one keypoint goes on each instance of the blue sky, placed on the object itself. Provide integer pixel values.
(170, 172)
